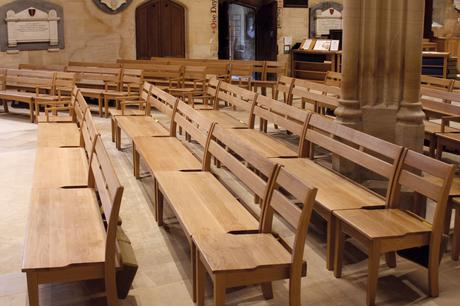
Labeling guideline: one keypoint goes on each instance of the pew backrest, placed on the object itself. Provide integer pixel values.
(319, 95)
(95, 64)
(236, 96)
(42, 67)
(436, 83)
(162, 101)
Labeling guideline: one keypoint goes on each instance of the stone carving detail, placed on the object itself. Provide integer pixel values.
(112, 6)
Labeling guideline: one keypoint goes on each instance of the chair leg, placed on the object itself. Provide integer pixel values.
(330, 243)
(159, 204)
(432, 145)
(136, 159)
(118, 137)
(373, 272)
(267, 290)
(193, 255)
(219, 291)
(294, 292)
(32, 288)
(112, 125)
(433, 274)
(439, 149)
(111, 288)
(200, 280)
(338, 249)
(456, 237)
(106, 107)
(31, 109)
(390, 259)
(5, 106)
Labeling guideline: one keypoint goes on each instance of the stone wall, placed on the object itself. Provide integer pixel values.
(92, 35)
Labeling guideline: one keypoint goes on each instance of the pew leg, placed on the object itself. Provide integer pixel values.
(112, 125)
(111, 288)
(432, 145)
(200, 280)
(456, 237)
(31, 110)
(338, 249)
(330, 243)
(194, 272)
(439, 149)
(159, 205)
(106, 106)
(219, 290)
(5, 106)
(267, 290)
(37, 111)
(136, 160)
(32, 288)
(118, 137)
(373, 272)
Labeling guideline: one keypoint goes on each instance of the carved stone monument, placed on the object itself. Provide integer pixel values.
(31, 25)
(324, 17)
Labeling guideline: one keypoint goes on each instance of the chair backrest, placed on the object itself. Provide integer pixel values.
(241, 70)
(193, 123)
(132, 80)
(42, 67)
(235, 155)
(413, 168)
(284, 87)
(437, 83)
(30, 79)
(287, 192)
(236, 96)
(319, 95)
(333, 79)
(95, 64)
(108, 76)
(88, 128)
(378, 156)
(274, 70)
(110, 193)
(80, 106)
(285, 116)
(162, 101)
(157, 73)
(212, 89)
(440, 102)
(64, 82)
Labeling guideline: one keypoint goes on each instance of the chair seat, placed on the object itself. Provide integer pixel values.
(64, 228)
(60, 167)
(383, 223)
(202, 204)
(224, 252)
(58, 135)
(434, 128)
(223, 119)
(127, 112)
(138, 126)
(265, 145)
(166, 154)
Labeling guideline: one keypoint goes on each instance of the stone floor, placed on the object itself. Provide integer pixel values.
(164, 264)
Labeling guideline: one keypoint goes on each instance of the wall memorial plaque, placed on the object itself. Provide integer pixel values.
(324, 17)
(31, 25)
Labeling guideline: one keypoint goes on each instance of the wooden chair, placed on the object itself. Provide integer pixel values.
(284, 87)
(234, 260)
(333, 79)
(192, 85)
(130, 88)
(271, 75)
(90, 251)
(241, 74)
(321, 97)
(385, 231)
(437, 83)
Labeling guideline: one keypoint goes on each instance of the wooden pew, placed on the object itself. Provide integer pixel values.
(73, 215)
(437, 83)
(241, 74)
(42, 67)
(94, 81)
(25, 85)
(320, 96)
(335, 191)
(203, 197)
(240, 259)
(284, 87)
(271, 74)
(130, 88)
(390, 230)
(163, 76)
(192, 85)
(95, 64)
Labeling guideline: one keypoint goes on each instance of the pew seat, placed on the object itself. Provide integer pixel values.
(138, 126)
(224, 119)
(58, 135)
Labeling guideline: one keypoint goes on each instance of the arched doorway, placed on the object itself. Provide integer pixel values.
(160, 29)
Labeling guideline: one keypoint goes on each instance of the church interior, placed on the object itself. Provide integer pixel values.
(229, 152)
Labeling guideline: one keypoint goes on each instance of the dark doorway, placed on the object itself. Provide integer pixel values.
(160, 29)
(248, 30)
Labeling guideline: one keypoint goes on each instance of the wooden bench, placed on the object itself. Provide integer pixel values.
(25, 85)
(95, 64)
(42, 67)
(320, 96)
(272, 72)
(437, 83)
(241, 74)
(163, 76)
(130, 88)
(335, 191)
(284, 87)
(385, 231)
(240, 259)
(73, 215)
(192, 85)
(94, 81)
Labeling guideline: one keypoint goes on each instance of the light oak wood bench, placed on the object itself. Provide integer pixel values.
(162, 76)
(94, 81)
(437, 83)
(390, 230)
(130, 88)
(335, 191)
(234, 260)
(94, 64)
(42, 67)
(66, 239)
(320, 96)
(284, 87)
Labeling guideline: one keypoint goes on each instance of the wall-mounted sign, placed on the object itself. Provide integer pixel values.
(31, 25)
(213, 12)
(112, 6)
(325, 16)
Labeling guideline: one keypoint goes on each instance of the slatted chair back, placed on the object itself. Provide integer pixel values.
(437, 83)
(162, 101)
(80, 106)
(132, 80)
(285, 116)
(319, 95)
(110, 192)
(274, 71)
(212, 89)
(108, 77)
(123, 61)
(288, 192)
(376, 155)
(333, 79)
(32, 80)
(95, 64)
(236, 96)
(241, 73)
(440, 103)
(235, 156)
(218, 69)
(284, 88)
(414, 175)
(42, 67)
(258, 69)
(194, 77)
(158, 74)
(194, 124)
(64, 82)
(88, 129)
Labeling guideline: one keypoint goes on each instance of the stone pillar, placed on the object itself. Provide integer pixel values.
(381, 69)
